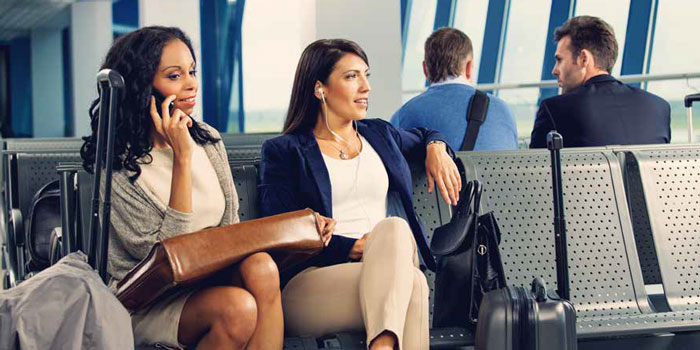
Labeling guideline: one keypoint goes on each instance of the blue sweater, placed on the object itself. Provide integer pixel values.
(444, 108)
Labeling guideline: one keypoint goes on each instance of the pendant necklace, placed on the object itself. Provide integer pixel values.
(341, 154)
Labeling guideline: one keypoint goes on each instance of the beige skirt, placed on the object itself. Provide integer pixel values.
(159, 323)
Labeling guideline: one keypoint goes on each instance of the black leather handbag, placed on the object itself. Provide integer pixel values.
(468, 261)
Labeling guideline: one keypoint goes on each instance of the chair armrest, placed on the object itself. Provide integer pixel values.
(16, 227)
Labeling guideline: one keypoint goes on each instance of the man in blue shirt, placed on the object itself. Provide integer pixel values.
(449, 65)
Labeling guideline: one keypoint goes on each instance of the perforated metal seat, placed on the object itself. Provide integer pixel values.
(27, 172)
(670, 179)
(606, 282)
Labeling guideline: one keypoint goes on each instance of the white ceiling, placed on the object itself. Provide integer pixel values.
(18, 17)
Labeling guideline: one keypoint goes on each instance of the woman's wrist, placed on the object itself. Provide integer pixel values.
(182, 158)
(437, 143)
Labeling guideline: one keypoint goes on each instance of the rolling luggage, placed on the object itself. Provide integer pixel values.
(689, 99)
(111, 85)
(517, 318)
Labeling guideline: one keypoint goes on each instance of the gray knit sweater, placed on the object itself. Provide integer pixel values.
(138, 220)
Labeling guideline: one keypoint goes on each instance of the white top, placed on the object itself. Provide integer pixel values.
(208, 203)
(359, 189)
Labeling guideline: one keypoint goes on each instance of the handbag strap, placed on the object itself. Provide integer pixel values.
(465, 198)
(476, 200)
(476, 115)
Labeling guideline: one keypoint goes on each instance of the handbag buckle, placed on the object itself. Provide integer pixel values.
(481, 250)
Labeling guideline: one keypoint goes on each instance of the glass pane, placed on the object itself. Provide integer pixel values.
(522, 58)
(273, 39)
(675, 50)
(470, 17)
(615, 13)
(420, 25)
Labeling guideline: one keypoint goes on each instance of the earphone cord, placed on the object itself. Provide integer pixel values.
(325, 118)
(357, 169)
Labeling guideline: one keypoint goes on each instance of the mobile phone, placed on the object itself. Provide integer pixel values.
(159, 101)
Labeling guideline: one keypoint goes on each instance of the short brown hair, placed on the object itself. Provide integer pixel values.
(445, 52)
(592, 34)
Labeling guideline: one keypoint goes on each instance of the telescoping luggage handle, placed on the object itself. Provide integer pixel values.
(555, 143)
(689, 99)
(110, 84)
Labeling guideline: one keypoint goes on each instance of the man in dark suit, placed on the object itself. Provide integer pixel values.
(596, 109)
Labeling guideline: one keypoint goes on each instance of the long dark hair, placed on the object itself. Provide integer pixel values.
(136, 57)
(316, 64)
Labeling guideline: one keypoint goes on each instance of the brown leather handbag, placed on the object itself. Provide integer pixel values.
(186, 259)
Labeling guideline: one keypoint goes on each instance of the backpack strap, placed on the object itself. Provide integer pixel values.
(476, 115)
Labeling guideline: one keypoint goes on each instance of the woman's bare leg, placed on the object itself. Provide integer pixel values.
(259, 276)
(221, 317)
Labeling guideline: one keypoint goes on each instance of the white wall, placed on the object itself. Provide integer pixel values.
(183, 14)
(91, 38)
(376, 27)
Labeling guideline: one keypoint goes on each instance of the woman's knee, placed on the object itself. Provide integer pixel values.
(236, 315)
(260, 275)
(393, 232)
(420, 287)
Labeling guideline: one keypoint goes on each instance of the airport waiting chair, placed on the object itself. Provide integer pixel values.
(26, 173)
(78, 184)
(638, 205)
(670, 182)
(607, 287)
(251, 139)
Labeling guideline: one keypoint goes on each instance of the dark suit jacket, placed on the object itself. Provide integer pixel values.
(603, 111)
(294, 176)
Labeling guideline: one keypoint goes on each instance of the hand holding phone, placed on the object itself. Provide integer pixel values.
(172, 125)
(159, 101)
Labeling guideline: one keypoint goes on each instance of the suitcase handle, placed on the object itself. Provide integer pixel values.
(539, 289)
(690, 99)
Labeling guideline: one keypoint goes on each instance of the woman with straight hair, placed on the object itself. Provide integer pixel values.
(354, 172)
(171, 176)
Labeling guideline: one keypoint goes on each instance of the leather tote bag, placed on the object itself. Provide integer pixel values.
(189, 258)
(468, 261)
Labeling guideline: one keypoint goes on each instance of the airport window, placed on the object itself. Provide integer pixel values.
(470, 17)
(614, 13)
(522, 58)
(675, 50)
(273, 38)
(421, 21)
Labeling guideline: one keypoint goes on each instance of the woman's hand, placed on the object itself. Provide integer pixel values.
(358, 248)
(173, 128)
(442, 170)
(326, 227)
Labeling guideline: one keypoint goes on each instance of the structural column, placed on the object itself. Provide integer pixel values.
(376, 27)
(91, 38)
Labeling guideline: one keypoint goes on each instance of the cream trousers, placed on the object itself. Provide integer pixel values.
(384, 292)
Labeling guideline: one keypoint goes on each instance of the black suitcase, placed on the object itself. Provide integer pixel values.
(111, 85)
(517, 318)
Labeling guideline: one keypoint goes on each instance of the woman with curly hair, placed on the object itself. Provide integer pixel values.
(171, 176)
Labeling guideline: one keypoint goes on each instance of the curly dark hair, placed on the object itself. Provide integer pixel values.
(136, 57)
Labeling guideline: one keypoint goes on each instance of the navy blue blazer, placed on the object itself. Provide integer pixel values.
(294, 176)
(603, 111)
